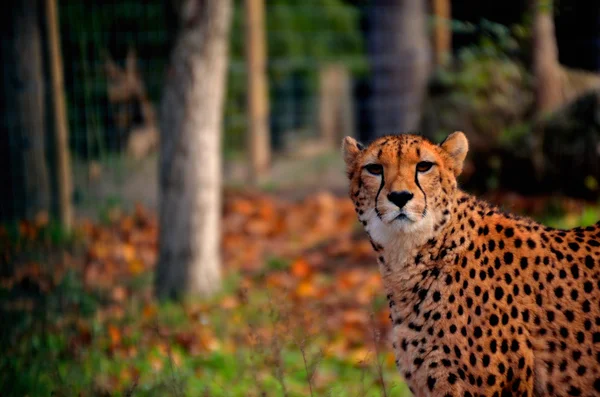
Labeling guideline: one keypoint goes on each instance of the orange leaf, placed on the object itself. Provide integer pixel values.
(115, 334)
(136, 267)
(128, 252)
(229, 302)
(149, 311)
(119, 293)
(306, 289)
(301, 268)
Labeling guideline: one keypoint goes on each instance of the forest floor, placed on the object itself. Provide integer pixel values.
(301, 313)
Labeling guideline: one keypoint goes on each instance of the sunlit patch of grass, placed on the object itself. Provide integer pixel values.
(587, 216)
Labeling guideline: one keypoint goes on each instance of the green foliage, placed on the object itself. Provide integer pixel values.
(301, 36)
(487, 90)
(35, 359)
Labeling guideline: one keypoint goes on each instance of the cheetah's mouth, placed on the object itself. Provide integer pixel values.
(402, 217)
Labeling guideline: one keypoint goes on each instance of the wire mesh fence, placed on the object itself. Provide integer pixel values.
(323, 57)
(116, 56)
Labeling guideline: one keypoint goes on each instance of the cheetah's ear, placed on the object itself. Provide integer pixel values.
(457, 146)
(351, 148)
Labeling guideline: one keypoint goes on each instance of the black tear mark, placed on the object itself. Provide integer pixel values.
(377, 196)
(422, 191)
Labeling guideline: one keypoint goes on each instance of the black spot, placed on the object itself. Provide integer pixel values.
(430, 383)
(558, 291)
(585, 306)
(569, 315)
(494, 320)
(472, 359)
(518, 243)
(574, 294)
(524, 263)
(437, 296)
(575, 271)
(508, 257)
(509, 232)
(531, 243)
(588, 286)
(589, 262)
(498, 293)
(493, 346)
(452, 378)
(574, 246)
(514, 346)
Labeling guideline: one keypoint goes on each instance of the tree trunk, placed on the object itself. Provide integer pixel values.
(400, 53)
(335, 105)
(190, 152)
(546, 67)
(23, 169)
(546, 71)
(442, 33)
(259, 140)
(64, 184)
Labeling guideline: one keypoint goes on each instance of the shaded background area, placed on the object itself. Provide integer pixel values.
(301, 310)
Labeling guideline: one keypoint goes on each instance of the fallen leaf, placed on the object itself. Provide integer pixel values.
(301, 268)
(114, 334)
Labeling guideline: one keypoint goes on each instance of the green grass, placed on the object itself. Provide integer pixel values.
(64, 348)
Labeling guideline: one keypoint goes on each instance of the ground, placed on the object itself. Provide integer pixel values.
(82, 316)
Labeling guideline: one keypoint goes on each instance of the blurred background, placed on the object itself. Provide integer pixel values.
(173, 207)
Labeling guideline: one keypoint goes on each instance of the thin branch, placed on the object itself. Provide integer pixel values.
(377, 361)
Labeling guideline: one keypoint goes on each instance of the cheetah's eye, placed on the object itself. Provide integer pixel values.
(375, 169)
(424, 166)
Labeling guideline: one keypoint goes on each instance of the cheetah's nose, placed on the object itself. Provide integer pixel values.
(400, 198)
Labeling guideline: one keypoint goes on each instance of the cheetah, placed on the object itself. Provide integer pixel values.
(482, 302)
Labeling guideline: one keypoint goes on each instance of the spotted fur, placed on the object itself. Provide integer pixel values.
(482, 302)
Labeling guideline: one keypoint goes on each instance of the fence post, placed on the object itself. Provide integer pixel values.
(61, 129)
(442, 34)
(336, 118)
(258, 135)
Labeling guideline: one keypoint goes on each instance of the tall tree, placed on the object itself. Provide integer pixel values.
(442, 33)
(546, 66)
(259, 141)
(24, 180)
(190, 151)
(400, 59)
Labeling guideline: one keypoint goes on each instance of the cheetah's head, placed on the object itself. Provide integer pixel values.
(404, 184)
